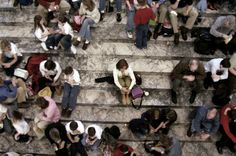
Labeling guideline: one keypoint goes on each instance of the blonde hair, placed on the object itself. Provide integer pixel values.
(5, 44)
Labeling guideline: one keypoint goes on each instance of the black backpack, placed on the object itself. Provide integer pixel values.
(204, 43)
(23, 3)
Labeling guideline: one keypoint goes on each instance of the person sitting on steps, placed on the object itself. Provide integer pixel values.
(216, 71)
(228, 116)
(191, 72)
(205, 122)
(124, 79)
(185, 8)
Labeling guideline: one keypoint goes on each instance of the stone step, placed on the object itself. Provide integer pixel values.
(156, 50)
(108, 114)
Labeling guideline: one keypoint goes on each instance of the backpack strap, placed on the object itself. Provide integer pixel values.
(140, 104)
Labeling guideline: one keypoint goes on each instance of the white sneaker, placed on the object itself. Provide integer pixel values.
(130, 35)
(73, 49)
(44, 46)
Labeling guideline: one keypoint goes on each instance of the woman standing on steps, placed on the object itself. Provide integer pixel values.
(90, 11)
(124, 79)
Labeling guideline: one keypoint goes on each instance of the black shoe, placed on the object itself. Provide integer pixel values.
(184, 32)
(16, 2)
(102, 17)
(118, 17)
(63, 112)
(189, 132)
(85, 46)
(176, 38)
(173, 97)
(157, 30)
(68, 113)
(219, 149)
(193, 97)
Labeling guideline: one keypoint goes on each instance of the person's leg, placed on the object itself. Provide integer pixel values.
(39, 128)
(85, 29)
(96, 145)
(176, 83)
(64, 6)
(66, 95)
(127, 84)
(231, 83)
(102, 6)
(65, 42)
(193, 14)
(73, 96)
(174, 22)
(21, 91)
(145, 33)
(122, 83)
(130, 20)
(89, 22)
(7, 125)
(202, 6)
(78, 148)
(118, 6)
(208, 80)
(57, 39)
(139, 36)
(197, 87)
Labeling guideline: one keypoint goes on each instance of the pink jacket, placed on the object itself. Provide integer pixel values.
(51, 113)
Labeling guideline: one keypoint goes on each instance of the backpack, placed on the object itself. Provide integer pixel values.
(139, 127)
(204, 43)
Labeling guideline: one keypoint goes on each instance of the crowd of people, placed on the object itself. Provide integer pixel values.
(61, 24)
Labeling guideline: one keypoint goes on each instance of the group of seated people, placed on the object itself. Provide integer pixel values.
(72, 138)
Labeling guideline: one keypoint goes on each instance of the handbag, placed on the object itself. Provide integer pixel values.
(77, 22)
(137, 93)
(21, 73)
(45, 92)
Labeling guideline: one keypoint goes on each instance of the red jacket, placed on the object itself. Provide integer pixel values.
(224, 121)
(117, 151)
(143, 15)
(46, 3)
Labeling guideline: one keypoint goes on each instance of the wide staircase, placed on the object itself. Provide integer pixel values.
(99, 103)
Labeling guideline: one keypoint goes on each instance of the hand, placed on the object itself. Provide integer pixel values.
(225, 36)
(189, 78)
(51, 7)
(185, 13)
(6, 65)
(157, 5)
(163, 125)
(14, 81)
(55, 147)
(215, 77)
(124, 89)
(56, 7)
(62, 145)
(204, 136)
(48, 77)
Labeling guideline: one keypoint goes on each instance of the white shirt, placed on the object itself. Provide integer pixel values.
(73, 79)
(3, 109)
(98, 130)
(14, 51)
(214, 65)
(56, 71)
(40, 34)
(128, 72)
(66, 28)
(80, 128)
(21, 127)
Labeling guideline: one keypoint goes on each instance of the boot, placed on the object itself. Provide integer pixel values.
(184, 32)
(173, 96)
(193, 97)
(176, 38)
(157, 30)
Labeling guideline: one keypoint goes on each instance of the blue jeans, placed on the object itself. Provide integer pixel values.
(130, 19)
(102, 5)
(141, 36)
(70, 94)
(85, 32)
(202, 6)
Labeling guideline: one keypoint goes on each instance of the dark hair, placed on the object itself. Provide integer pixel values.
(68, 70)
(91, 131)
(122, 63)
(54, 134)
(73, 125)
(37, 23)
(89, 4)
(232, 114)
(62, 18)
(50, 65)
(124, 148)
(17, 115)
(142, 2)
(171, 115)
(152, 114)
(42, 102)
(225, 63)
(165, 142)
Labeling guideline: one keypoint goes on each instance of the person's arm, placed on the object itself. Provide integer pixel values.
(47, 134)
(13, 61)
(174, 6)
(232, 70)
(133, 80)
(201, 71)
(42, 68)
(216, 124)
(224, 75)
(115, 76)
(177, 71)
(128, 4)
(218, 23)
(59, 70)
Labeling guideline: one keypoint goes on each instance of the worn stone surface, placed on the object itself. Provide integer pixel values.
(100, 103)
